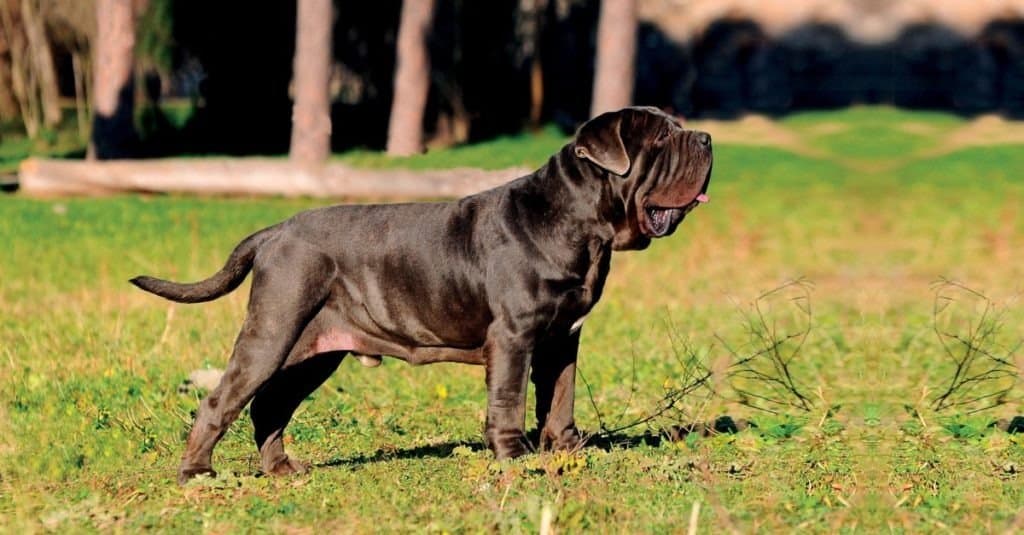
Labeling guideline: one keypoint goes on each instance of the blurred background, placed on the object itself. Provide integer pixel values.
(155, 78)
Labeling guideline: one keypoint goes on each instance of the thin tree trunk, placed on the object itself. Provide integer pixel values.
(311, 114)
(529, 27)
(536, 92)
(42, 62)
(113, 131)
(616, 54)
(21, 75)
(8, 104)
(81, 113)
(412, 79)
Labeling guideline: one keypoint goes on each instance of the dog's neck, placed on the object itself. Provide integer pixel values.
(606, 196)
(583, 194)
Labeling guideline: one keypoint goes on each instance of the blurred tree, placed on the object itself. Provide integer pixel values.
(33, 80)
(529, 29)
(8, 105)
(42, 61)
(616, 55)
(71, 25)
(113, 131)
(412, 79)
(311, 117)
(154, 48)
(155, 61)
(23, 80)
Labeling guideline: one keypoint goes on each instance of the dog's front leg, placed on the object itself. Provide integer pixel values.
(508, 364)
(554, 378)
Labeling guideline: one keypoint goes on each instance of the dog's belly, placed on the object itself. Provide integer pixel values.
(368, 347)
(335, 340)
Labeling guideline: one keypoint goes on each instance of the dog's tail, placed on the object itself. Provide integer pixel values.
(221, 283)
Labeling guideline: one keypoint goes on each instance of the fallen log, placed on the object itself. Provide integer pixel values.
(250, 176)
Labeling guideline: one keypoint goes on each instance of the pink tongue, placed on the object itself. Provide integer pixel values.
(703, 198)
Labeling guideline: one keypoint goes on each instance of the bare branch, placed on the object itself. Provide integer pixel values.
(760, 374)
(984, 372)
(763, 378)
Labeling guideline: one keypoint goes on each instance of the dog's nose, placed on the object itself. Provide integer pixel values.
(704, 139)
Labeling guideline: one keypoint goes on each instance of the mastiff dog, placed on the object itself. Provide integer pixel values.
(502, 279)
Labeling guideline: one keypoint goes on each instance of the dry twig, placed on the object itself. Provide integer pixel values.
(984, 372)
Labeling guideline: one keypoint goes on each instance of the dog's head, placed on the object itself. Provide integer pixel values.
(658, 170)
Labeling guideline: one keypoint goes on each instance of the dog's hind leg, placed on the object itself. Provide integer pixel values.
(285, 296)
(274, 404)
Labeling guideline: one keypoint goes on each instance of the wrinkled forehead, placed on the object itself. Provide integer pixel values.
(652, 121)
(650, 116)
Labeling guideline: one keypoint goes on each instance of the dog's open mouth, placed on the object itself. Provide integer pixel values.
(660, 221)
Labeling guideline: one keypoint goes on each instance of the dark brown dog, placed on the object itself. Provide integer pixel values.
(503, 279)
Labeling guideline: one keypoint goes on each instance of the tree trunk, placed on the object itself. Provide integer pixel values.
(42, 62)
(616, 53)
(412, 79)
(22, 80)
(113, 131)
(81, 97)
(252, 176)
(311, 115)
(8, 104)
(530, 20)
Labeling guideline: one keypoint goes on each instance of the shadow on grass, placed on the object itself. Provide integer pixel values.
(622, 441)
(616, 441)
(602, 441)
(436, 451)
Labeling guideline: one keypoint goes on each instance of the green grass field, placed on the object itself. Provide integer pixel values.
(869, 206)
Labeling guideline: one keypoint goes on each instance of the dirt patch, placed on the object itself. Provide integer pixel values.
(827, 129)
(985, 130)
(920, 129)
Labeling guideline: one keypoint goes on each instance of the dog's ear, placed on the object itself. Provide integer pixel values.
(600, 141)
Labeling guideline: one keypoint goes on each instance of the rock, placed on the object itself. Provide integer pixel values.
(206, 379)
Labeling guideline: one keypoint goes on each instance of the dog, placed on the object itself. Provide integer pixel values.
(502, 279)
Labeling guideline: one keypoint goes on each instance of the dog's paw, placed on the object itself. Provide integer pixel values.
(509, 444)
(568, 438)
(186, 474)
(286, 467)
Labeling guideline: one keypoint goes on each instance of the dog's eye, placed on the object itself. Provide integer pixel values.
(662, 138)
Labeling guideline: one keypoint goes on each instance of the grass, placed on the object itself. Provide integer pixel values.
(59, 143)
(65, 140)
(92, 420)
(527, 150)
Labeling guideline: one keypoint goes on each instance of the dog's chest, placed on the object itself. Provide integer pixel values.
(576, 304)
(578, 324)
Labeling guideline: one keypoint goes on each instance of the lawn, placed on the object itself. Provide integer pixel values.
(866, 208)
